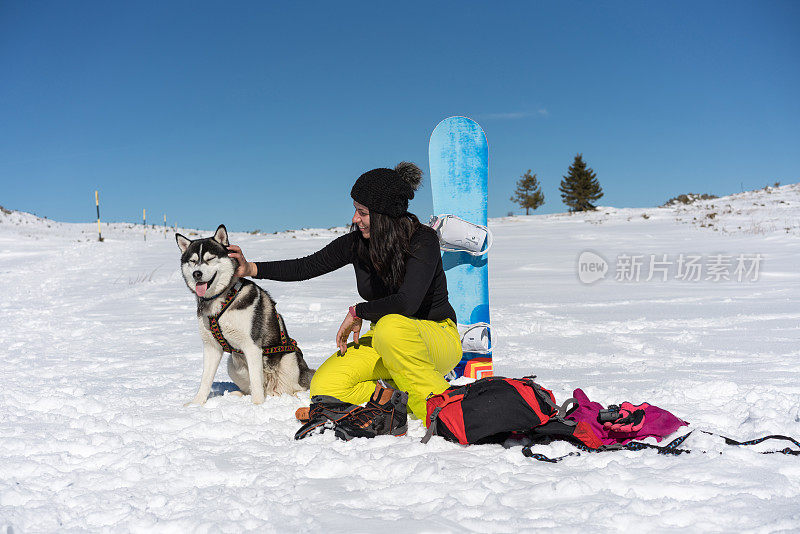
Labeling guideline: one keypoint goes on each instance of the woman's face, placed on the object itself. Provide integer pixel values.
(361, 218)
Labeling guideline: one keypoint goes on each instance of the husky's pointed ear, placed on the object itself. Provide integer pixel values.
(183, 243)
(221, 235)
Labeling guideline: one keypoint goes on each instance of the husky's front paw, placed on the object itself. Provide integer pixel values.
(197, 401)
(257, 395)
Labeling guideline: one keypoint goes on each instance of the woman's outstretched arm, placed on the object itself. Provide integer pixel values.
(335, 255)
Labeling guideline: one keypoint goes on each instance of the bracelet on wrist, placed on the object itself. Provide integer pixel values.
(352, 311)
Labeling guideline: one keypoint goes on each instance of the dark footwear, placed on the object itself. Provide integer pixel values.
(384, 414)
(323, 414)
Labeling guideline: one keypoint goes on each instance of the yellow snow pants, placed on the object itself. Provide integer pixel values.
(414, 353)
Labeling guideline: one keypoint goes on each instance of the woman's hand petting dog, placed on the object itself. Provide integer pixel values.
(350, 324)
(245, 267)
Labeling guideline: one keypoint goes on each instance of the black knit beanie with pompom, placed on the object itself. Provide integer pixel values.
(388, 191)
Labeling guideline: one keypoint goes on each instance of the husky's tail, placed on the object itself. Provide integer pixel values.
(306, 373)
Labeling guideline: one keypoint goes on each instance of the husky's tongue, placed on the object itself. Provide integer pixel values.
(200, 289)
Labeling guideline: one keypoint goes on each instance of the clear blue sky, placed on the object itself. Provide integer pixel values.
(260, 115)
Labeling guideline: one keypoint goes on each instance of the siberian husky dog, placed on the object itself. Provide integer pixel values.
(248, 324)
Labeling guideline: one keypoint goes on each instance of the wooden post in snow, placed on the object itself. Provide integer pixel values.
(97, 204)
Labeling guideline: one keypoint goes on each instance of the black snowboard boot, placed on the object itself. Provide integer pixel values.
(384, 414)
(323, 414)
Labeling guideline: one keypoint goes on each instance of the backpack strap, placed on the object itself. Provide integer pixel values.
(787, 450)
(452, 394)
(566, 407)
(432, 429)
(560, 411)
(670, 448)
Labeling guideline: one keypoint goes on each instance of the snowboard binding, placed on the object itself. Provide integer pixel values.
(457, 235)
(475, 338)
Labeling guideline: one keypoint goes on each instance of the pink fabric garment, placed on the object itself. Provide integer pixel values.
(658, 423)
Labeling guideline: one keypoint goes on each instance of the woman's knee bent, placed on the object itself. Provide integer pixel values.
(332, 378)
(391, 329)
(349, 378)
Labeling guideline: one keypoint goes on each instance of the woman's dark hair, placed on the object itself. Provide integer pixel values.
(386, 193)
(388, 246)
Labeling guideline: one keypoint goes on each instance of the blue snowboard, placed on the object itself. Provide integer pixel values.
(459, 159)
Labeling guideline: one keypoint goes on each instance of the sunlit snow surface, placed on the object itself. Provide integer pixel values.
(101, 350)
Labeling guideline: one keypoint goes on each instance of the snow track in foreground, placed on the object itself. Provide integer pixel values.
(102, 350)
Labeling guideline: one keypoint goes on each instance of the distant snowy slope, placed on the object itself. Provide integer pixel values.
(697, 313)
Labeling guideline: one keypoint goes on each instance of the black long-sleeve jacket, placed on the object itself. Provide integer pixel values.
(423, 293)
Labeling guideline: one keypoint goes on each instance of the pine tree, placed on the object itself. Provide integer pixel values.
(528, 193)
(580, 188)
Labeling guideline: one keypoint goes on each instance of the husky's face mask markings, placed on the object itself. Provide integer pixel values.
(205, 263)
(248, 324)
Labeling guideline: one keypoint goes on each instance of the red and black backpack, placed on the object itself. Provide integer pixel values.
(491, 409)
(494, 409)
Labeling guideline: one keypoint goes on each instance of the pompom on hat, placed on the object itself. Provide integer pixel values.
(388, 191)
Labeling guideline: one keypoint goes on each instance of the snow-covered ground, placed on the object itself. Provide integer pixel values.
(101, 350)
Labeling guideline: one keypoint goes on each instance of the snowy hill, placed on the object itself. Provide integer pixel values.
(697, 313)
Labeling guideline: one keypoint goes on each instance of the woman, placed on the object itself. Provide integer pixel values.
(413, 339)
